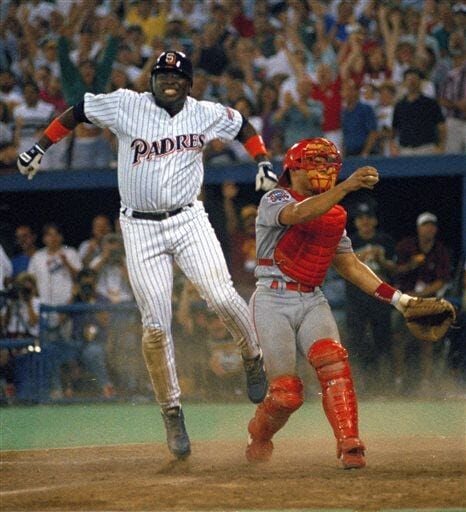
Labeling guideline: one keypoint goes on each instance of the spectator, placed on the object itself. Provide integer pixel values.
(90, 148)
(52, 93)
(22, 312)
(298, 115)
(264, 35)
(417, 120)
(55, 267)
(422, 270)
(194, 13)
(218, 152)
(368, 321)
(30, 118)
(110, 266)
(25, 239)
(89, 332)
(92, 247)
(8, 149)
(10, 93)
(208, 52)
(336, 27)
(224, 374)
(384, 114)
(123, 334)
(452, 97)
(21, 320)
(358, 122)
(152, 20)
(247, 109)
(48, 56)
(327, 90)
(241, 240)
(267, 104)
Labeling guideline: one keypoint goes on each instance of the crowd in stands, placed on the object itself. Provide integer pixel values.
(375, 77)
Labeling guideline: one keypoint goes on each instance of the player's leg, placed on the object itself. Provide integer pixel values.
(273, 316)
(318, 335)
(152, 284)
(200, 257)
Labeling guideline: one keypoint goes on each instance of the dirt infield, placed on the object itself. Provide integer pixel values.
(401, 473)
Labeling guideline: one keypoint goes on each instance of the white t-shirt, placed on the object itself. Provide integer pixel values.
(54, 280)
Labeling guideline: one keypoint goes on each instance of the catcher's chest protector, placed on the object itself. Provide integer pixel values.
(306, 250)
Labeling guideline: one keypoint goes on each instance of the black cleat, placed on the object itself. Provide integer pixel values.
(256, 380)
(177, 437)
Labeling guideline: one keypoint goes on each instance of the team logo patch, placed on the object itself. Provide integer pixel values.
(278, 196)
(229, 113)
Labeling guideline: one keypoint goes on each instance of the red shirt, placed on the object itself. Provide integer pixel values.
(331, 100)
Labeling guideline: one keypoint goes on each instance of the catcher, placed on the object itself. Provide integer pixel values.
(300, 232)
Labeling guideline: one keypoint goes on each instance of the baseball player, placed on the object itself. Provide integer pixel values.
(161, 136)
(300, 232)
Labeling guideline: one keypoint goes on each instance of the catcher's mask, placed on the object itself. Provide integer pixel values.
(172, 62)
(319, 157)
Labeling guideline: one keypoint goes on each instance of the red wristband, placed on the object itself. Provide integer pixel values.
(55, 131)
(384, 292)
(255, 146)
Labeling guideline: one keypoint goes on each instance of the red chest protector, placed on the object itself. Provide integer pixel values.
(306, 250)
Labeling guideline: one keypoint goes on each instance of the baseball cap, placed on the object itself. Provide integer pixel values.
(426, 217)
(364, 209)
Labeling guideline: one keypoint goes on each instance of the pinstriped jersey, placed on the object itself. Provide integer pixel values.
(269, 231)
(160, 157)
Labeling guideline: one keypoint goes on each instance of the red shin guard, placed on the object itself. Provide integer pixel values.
(285, 396)
(330, 360)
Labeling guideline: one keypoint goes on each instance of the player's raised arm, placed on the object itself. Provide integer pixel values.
(28, 162)
(266, 179)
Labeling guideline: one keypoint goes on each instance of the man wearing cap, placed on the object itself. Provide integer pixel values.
(423, 270)
(368, 321)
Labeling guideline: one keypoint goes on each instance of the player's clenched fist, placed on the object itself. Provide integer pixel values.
(266, 179)
(28, 162)
(363, 177)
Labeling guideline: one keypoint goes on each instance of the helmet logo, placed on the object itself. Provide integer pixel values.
(170, 59)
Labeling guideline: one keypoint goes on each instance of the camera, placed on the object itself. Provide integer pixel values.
(10, 293)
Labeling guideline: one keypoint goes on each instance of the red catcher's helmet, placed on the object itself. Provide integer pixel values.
(320, 157)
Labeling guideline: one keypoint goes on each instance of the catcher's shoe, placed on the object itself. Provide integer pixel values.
(256, 380)
(258, 451)
(177, 437)
(351, 453)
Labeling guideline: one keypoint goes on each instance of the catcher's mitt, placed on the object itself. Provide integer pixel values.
(429, 319)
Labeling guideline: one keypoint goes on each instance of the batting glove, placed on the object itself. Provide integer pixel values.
(266, 179)
(28, 162)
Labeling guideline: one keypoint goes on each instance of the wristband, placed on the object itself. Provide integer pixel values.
(385, 293)
(255, 146)
(55, 131)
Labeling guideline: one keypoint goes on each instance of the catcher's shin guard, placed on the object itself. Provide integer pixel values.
(330, 360)
(285, 395)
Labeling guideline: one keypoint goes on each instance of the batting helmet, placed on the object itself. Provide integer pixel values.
(176, 62)
(320, 157)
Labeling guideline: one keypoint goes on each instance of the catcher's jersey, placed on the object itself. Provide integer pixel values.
(160, 157)
(269, 231)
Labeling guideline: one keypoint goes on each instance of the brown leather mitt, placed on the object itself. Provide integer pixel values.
(429, 319)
